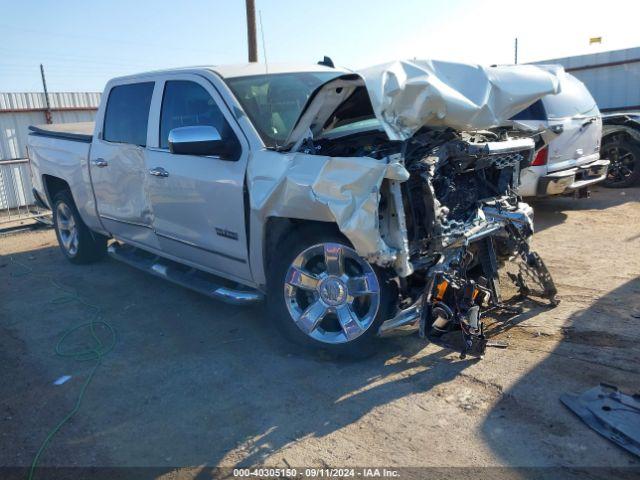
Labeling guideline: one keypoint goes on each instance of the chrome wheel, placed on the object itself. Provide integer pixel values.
(331, 293)
(67, 229)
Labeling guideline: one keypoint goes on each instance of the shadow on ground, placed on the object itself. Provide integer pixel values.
(597, 344)
(190, 382)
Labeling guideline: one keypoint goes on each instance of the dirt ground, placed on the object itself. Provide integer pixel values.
(193, 382)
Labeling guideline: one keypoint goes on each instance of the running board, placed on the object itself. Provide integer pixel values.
(185, 276)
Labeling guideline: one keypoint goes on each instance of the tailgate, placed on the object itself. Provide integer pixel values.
(578, 144)
(575, 126)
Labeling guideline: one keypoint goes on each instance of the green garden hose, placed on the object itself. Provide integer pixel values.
(95, 352)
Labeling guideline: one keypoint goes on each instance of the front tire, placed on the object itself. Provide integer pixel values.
(78, 243)
(322, 295)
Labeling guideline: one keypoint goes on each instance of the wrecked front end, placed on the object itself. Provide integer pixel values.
(438, 211)
(462, 219)
(427, 191)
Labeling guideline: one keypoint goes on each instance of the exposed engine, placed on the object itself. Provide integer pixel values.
(461, 217)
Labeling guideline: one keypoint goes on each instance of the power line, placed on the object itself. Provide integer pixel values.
(71, 58)
(47, 34)
(264, 47)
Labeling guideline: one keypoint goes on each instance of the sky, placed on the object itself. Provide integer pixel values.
(82, 44)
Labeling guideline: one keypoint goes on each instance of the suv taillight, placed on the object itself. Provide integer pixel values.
(541, 157)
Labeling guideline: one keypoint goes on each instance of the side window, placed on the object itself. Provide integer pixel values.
(187, 104)
(127, 114)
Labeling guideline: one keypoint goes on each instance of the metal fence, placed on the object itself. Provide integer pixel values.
(17, 111)
(16, 197)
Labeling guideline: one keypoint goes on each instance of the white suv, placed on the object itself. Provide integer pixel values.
(567, 158)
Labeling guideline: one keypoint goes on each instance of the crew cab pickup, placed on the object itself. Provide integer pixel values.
(340, 201)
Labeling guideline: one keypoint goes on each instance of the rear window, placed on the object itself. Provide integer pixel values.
(574, 100)
(127, 114)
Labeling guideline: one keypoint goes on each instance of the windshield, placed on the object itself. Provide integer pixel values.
(274, 102)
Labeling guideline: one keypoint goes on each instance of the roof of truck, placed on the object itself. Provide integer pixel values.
(245, 69)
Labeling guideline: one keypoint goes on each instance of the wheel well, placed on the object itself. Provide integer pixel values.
(53, 186)
(277, 227)
(620, 131)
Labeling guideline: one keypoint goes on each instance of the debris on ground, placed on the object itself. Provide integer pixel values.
(611, 413)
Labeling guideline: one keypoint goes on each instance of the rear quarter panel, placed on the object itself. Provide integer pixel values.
(66, 160)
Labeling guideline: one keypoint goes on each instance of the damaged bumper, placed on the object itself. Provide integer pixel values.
(573, 179)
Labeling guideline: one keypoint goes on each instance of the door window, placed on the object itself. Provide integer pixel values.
(186, 104)
(127, 114)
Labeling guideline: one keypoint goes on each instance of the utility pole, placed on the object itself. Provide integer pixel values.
(47, 112)
(251, 31)
(516, 51)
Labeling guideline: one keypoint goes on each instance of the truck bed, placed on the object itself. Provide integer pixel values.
(78, 132)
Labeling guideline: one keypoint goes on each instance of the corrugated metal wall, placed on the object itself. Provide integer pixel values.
(19, 110)
(613, 78)
(14, 128)
(36, 100)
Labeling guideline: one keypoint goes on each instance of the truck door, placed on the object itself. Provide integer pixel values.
(198, 201)
(117, 164)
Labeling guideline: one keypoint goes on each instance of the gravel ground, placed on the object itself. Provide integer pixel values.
(193, 382)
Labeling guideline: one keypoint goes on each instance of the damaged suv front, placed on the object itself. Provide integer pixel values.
(405, 160)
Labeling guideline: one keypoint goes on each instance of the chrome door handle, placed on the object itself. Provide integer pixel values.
(100, 162)
(158, 172)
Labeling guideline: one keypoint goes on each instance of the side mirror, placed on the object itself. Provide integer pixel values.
(196, 140)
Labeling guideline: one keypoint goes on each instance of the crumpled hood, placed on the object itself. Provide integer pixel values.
(407, 95)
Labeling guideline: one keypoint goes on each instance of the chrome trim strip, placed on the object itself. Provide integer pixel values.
(190, 244)
(185, 242)
(126, 222)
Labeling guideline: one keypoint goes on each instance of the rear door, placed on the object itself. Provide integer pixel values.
(198, 207)
(117, 164)
(575, 126)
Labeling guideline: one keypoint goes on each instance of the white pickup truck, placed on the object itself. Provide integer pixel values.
(350, 199)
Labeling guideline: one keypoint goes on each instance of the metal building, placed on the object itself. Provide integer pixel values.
(613, 77)
(17, 112)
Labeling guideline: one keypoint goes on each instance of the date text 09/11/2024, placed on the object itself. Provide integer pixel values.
(316, 472)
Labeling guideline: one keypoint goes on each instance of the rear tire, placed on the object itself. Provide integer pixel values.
(79, 244)
(624, 155)
(349, 319)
